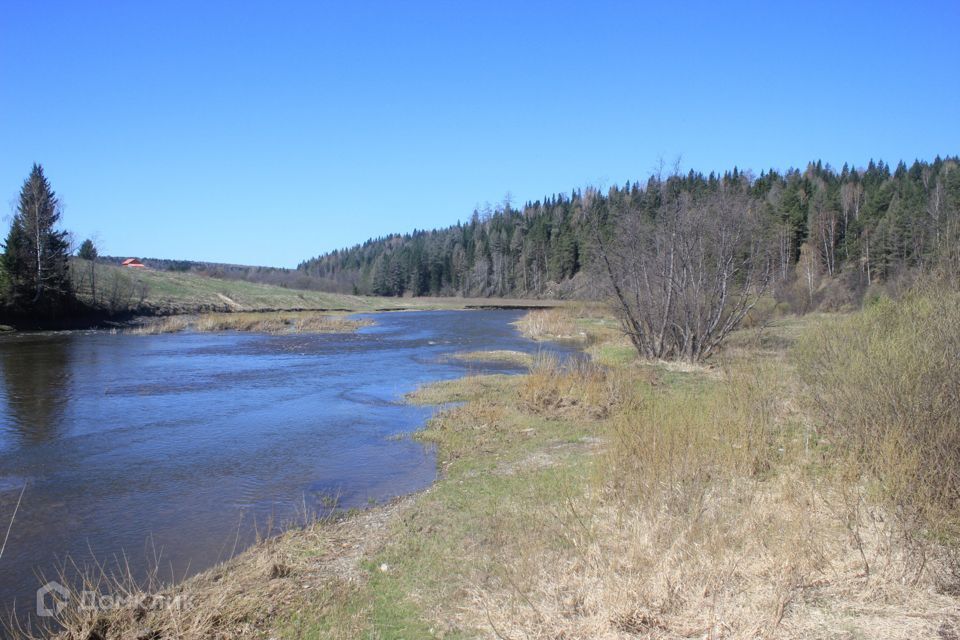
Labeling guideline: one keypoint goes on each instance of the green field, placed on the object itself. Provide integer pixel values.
(151, 292)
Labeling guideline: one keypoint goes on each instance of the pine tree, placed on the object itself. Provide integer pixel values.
(35, 253)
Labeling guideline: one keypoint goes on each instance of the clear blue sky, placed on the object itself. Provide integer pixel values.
(268, 132)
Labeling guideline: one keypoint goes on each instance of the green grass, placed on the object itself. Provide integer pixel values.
(461, 389)
(497, 461)
(170, 293)
(613, 354)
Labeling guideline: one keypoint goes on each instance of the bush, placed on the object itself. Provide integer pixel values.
(886, 389)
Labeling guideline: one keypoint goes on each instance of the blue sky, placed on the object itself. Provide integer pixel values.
(268, 132)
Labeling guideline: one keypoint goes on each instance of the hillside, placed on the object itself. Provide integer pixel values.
(277, 276)
(153, 292)
(867, 225)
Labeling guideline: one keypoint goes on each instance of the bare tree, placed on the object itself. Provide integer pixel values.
(824, 225)
(684, 275)
(851, 199)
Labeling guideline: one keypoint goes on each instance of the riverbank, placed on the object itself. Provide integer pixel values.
(631, 499)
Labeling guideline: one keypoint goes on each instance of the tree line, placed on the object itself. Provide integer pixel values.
(813, 237)
(865, 225)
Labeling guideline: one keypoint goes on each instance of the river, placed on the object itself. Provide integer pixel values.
(183, 446)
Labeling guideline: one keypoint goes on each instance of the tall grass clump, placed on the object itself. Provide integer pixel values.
(885, 385)
(169, 324)
(550, 324)
(572, 388)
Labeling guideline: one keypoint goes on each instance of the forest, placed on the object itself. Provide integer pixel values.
(855, 226)
(819, 238)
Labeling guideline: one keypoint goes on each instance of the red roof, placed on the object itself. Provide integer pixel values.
(132, 262)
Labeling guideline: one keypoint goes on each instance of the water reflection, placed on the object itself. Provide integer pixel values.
(36, 374)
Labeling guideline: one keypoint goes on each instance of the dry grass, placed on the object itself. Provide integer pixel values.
(578, 323)
(502, 355)
(296, 322)
(257, 322)
(315, 569)
(716, 512)
(169, 324)
(575, 389)
(709, 516)
(749, 560)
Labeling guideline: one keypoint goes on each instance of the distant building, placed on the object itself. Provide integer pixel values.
(133, 262)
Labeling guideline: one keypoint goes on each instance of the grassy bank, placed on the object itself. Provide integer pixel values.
(502, 355)
(747, 499)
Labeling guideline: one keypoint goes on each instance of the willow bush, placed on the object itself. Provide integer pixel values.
(885, 384)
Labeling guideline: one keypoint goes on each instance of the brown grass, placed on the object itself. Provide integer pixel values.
(741, 560)
(170, 324)
(550, 324)
(578, 388)
(314, 567)
(257, 322)
(709, 517)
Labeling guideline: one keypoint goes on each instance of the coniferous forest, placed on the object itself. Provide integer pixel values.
(855, 226)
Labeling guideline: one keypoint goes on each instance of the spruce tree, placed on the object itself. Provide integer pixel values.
(14, 263)
(88, 252)
(35, 253)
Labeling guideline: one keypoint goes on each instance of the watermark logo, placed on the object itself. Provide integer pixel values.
(51, 599)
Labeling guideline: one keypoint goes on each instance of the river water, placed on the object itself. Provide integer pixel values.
(183, 445)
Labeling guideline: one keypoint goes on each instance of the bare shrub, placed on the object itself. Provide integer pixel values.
(685, 273)
(120, 292)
